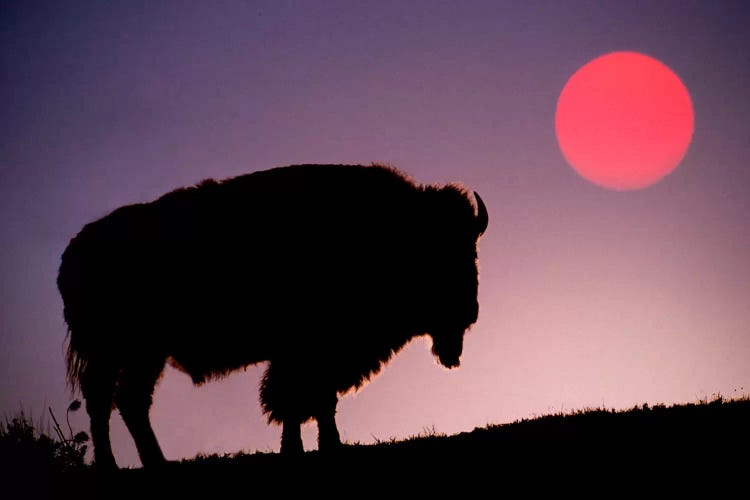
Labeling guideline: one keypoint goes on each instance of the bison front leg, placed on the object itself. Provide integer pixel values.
(291, 437)
(328, 433)
(292, 393)
(281, 396)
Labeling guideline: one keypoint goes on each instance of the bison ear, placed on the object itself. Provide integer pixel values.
(483, 217)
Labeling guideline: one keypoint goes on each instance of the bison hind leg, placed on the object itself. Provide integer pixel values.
(133, 397)
(98, 387)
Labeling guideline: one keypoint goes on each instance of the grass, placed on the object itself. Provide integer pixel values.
(25, 446)
(685, 443)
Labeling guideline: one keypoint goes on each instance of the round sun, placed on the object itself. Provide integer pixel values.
(624, 121)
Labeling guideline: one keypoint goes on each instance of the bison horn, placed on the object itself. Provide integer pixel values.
(483, 217)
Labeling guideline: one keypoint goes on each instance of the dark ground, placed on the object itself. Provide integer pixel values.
(675, 451)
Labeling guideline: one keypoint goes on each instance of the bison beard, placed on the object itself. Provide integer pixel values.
(323, 271)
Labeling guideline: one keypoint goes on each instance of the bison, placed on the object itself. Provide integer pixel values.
(323, 271)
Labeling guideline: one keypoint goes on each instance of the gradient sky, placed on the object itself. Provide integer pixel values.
(588, 297)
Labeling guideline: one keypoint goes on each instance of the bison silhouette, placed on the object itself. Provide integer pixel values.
(323, 271)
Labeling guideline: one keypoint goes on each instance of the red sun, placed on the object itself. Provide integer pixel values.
(624, 121)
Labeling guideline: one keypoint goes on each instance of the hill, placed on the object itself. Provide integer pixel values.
(701, 444)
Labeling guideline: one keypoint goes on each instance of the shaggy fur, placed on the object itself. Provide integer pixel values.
(324, 271)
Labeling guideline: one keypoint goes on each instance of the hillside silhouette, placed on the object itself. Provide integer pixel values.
(669, 446)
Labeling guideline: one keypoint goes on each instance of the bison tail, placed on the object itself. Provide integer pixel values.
(76, 364)
(83, 345)
(80, 339)
(78, 342)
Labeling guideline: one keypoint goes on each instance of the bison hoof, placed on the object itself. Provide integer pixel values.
(292, 448)
(292, 451)
(105, 467)
(329, 446)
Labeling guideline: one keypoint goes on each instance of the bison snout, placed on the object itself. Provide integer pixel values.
(448, 348)
(450, 361)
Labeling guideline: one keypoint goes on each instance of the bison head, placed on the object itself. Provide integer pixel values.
(453, 283)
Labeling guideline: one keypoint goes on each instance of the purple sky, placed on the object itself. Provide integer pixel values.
(588, 297)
